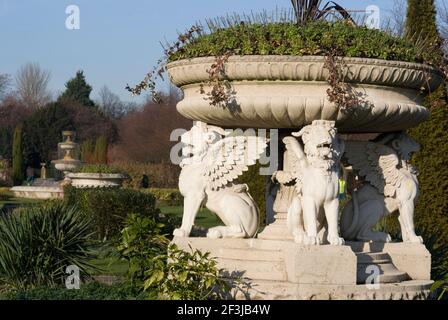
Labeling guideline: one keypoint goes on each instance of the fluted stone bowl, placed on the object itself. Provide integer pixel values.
(291, 91)
(96, 180)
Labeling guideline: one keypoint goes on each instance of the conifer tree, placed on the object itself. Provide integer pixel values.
(17, 156)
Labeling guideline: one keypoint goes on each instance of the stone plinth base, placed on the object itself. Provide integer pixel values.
(286, 270)
(274, 290)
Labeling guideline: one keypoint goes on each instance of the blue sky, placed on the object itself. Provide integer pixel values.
(118, 40)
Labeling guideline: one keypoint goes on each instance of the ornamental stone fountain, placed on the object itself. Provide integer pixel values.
(308, 252)
(67, 150)
(48, 188)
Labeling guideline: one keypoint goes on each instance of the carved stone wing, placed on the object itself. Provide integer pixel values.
(227, 159)
(377, 163)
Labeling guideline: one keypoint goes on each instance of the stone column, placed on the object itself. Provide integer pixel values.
(278, 230)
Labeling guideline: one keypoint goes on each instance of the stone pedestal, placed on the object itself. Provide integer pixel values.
(273, 269)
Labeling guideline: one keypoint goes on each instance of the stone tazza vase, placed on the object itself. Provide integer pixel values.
(290, 92)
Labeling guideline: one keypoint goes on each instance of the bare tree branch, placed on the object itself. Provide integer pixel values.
(32, 85)
(5, 82)
(398, 17)
(442, 12)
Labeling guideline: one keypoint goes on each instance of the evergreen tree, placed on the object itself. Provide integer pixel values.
(421, 20)
(17, 156)
(78, 90)
(101, 147)
(431, 213)
(42, 133)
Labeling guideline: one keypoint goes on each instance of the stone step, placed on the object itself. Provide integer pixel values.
(387, 272)
(373, 257)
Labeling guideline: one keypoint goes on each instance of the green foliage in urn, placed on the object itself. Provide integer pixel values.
(17, 156)
(98, 168)
(38, 243)
(314, 38)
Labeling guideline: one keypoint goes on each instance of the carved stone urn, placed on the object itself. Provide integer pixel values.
(291, 91)
(302, 254)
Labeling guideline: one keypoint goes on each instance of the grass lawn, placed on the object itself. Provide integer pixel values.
(205, 217)
(110, 266)
(113, 266)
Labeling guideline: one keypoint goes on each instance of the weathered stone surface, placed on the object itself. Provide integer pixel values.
(290, 92)
(287, 270)
(280, 260)
(40, 193)
(412, 258)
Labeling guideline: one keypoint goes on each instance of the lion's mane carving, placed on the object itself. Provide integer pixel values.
(391, 185)
(207, 176)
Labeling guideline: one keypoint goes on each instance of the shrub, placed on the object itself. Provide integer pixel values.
(5, 194)
(88, 291)
(166, 271)
(109, 208)
(171, 197)
(185, 275)
(141, 239)
(98, 168)
(38, 243)
(257, 189)
(313, 38)
(160, 175)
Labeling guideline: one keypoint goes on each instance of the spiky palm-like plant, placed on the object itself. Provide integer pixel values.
(38, 243)
(310, 10)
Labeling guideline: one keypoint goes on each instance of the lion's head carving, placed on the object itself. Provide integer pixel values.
(199, 138)
(401, 143)
(322, 146)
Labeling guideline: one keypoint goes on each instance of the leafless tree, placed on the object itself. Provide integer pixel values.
(397, 18)
(5, 82)
(32, 85)
(112, 105)
(442, 10)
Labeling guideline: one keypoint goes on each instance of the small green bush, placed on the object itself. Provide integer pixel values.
(141, 239)
(154, 175)
(171, 197)
(313, 38)
(98, 168)
(88, 291)
(5, 194)
(109, 208)
(38, 243)
(185, 275)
